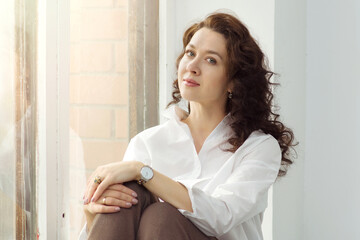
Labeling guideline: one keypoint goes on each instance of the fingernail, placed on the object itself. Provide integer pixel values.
(134, 201)
(134, 194)
(128, 204)
(117, 209)
(92, 199)
(83, 197)
(86, 201)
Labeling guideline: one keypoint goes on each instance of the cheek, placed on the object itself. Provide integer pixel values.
(219, 83)
(182, 65)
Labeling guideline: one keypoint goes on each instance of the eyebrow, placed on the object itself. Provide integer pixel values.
(208, 51)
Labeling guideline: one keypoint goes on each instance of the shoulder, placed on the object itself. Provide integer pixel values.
(155, 132)
(263, 138)
(141, 144)
(260, 141)
(172, 117)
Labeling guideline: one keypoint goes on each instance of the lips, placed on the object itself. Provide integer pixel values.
(191, 82)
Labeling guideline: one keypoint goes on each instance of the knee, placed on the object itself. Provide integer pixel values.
(134, 186)
(105, 218)
(141, 191)
(107, 222)
(158, 213)
(157, 219)
(144, 196)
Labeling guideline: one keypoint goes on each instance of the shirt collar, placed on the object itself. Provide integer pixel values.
(177, 113)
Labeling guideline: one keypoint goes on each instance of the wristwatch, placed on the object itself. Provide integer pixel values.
(146, 174)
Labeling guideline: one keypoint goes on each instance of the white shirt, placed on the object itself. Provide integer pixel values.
(228, 191)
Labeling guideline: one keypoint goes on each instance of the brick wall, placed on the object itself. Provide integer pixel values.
(98, 92)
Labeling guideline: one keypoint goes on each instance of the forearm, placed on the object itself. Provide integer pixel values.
(169, 190)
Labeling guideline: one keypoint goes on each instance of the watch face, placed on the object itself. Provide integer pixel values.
(147, 173)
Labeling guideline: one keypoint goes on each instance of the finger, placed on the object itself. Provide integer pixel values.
(99, 208)
(97, 191)
(92, 188)
(110, 201)
(124, 189)
(119, 195)
(90, 178)
(88, 186)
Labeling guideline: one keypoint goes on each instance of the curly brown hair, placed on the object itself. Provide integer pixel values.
(252, 100)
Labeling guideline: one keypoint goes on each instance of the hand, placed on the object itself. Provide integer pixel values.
(116, 196)
(110, 174)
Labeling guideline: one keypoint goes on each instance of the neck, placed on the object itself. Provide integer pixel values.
(202, 119)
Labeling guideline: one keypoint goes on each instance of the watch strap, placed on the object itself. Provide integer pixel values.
(141, 181)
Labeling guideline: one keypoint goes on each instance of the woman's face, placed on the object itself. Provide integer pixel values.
(202, 70)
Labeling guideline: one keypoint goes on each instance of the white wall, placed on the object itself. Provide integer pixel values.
(332, 166)
(290, 63)
(317, 44)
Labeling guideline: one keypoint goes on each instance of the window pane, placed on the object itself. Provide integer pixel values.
(18, 138)
(98, 93)
(7, 121)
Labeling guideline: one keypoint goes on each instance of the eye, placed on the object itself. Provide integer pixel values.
(190, 53)
(211, 60)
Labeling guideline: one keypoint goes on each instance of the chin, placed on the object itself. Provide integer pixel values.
(188, 96)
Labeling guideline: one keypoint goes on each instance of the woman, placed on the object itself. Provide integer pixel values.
(211, 167)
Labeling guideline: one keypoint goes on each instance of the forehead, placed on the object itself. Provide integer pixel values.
(207, 39)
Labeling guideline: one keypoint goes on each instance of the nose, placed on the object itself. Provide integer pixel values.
(193, 66)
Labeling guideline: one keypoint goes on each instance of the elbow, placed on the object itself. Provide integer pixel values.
(188, 206)
(190, 209)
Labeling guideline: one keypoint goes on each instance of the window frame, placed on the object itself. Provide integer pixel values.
(53, 110)
(143, 65)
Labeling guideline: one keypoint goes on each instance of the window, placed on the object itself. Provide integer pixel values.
(66, 99)
(113, 86)
(19, 119)
(99, 94)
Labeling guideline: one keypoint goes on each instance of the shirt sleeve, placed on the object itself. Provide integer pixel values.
(242, 196)
(137, 150)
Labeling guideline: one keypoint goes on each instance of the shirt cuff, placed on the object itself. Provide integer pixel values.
(190, 184)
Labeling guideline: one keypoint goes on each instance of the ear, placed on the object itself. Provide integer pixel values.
(230, 86)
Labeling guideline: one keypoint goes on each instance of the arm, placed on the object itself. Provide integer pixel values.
(168, 190)
(160, 185)
(134, 159)
(240, 196)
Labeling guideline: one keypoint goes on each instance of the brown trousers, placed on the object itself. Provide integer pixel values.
(147, 220)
